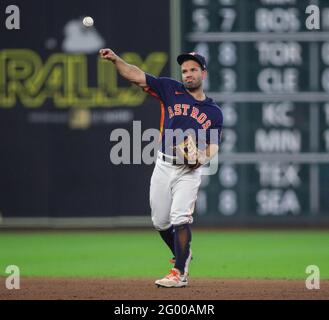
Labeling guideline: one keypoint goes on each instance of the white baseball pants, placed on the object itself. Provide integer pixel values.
(173, 193)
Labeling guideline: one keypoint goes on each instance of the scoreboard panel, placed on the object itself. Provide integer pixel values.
(270, 75)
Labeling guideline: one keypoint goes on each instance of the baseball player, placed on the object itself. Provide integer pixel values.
(176, 177)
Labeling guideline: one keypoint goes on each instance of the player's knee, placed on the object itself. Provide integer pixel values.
(180, 220)
(160, 224)
(161, 227)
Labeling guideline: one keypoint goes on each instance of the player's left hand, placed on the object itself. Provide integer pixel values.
(189, 153)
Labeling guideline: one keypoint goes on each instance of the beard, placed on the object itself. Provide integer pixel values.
(193, 85)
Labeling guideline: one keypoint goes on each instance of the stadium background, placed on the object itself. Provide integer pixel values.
(59, 105)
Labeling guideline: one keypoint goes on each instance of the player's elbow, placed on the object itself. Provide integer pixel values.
(140, 80)
(136, 76)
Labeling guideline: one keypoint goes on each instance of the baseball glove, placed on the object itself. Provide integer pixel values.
(189, 153)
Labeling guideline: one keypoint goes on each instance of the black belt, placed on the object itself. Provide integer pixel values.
(173, 161)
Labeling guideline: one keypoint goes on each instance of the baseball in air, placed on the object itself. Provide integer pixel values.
(88, 21)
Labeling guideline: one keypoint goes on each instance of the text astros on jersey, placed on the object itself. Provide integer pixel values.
(179, 109)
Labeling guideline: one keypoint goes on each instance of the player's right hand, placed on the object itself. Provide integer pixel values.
(108, 54)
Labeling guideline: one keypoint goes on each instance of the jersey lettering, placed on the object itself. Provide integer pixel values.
(181, 109)
(202, 117)
(195, 112)
(178, 110)
(207, 124)
(171, 114)
(185, 107)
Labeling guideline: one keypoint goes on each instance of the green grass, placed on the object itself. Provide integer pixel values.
(239, 254)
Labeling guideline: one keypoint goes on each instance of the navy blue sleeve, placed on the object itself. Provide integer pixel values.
(159, 86)
(218, 126)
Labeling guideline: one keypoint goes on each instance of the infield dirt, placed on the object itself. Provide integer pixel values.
(144, 289)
